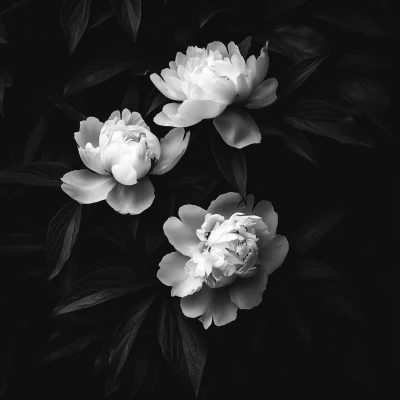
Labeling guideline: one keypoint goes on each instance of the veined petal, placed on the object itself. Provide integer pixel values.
(89, 132)
(272, 252)
(237, 128)
(224, 90)
(220, 307)
(87, 187)
(91, 158)
(195, 305)
(173, 147)
(263, 95)
(181, 236)
(188, 286)
(227, 204)
(247, 293)
(132, 199)
(172, 268)
(165, 89)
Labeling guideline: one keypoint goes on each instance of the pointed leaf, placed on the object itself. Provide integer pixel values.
(208, 10)
(131, 98)
(126, 333)
(320, 118)
(244, 47)
(74, 17)
(296, 42)
(182, 347)
(70, 111)
(3, 35)
(237, 128)
(102, 71)
(35, 174)
(315, 270)
(155, 100)
(275, 7)
(128, 13)
(61, 235)
(232, 164)
(297, 74)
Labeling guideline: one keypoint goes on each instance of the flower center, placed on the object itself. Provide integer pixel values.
(228, 249)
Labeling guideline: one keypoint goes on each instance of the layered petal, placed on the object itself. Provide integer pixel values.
(124, 172)
(218, 46)
(133, 118)
(170, 116)
(167, 90)
(263, 95)
(87, 187)
(89, 132)
(237, 128)
(172, 269)
(195, 305)
(132, 199)
(191, 284)
(181, 236)
(173, 147)
(272, 252)
(227, 204)
(247, 293)
(91, 158)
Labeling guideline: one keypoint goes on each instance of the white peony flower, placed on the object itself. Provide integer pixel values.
(119, 154)
(207, 81)
(224, 256)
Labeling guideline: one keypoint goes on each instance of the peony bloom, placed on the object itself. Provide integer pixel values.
(224, 256)
(119, 154)
(207, 81)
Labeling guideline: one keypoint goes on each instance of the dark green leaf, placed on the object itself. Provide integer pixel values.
(94, 74)
(244, 46)
(126, 333)
(61, 235)
(232, 164)
(296, 42)
(184, 350)
(99, 16)
(35, 138)
(70, 111)
(128, 13)
(72, 348)
(297, 74)
(315, 270)
(275, 7)
(320, 118)
(351, 18)
(35, 174)
(314, 228)
(155, 100)
(74, 17)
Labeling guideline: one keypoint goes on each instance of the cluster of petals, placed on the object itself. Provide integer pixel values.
(208, 80)
(223, 257)
(119, 154)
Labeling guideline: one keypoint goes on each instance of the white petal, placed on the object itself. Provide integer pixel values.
(165, 89)
(133, 118)
(91, 158)
(224, 90)
(188, 286)
(89, 132)
(124, 172)
(172, 268)
(115, 114)
(173, 147)
(214, 46)
(87, 187)
(272, 252)
(201, 109)
(170, 116)
(132, 199)
(259, 69)
(227, 204)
